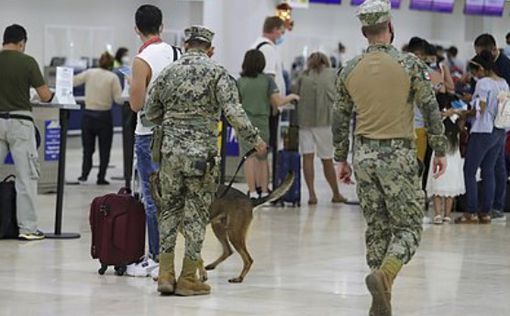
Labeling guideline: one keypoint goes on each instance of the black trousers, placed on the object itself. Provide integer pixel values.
(96, 124)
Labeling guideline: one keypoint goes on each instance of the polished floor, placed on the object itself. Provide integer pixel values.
(308, 261)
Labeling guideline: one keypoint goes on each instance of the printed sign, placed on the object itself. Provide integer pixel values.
(485, 7)
(64, 86)
(326, 1)
(421, 4)
(51, 140)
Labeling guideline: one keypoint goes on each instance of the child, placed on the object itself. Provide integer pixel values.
(445, 188)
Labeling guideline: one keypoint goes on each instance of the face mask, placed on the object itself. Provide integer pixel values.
(125, 60)
(280, 40)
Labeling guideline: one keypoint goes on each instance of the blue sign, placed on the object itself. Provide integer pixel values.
(232, 143)
(51, 140)
(8, 160)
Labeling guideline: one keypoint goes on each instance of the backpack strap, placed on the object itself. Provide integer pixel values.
(261, 44)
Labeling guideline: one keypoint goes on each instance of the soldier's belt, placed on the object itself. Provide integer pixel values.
(404, 142)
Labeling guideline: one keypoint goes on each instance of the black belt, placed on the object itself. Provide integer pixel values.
(16, 116)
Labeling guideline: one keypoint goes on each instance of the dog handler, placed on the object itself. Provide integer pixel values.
(381, 86)
(186, 102)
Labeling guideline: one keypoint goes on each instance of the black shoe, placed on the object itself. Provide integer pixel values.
(102, 182)
(37, 235)
(82, 179)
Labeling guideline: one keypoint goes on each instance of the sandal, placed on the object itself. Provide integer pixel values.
(438, 220)
(485, 218)
(467, 219)
(447, 220)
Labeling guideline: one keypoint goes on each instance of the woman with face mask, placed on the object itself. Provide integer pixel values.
(122, 58)
(485, 141)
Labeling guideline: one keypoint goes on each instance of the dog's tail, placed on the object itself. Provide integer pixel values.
(278, 192)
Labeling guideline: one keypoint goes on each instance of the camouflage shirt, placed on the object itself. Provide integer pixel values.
(421, 93)
(187, 100)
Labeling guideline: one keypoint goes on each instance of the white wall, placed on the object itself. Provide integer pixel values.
(118, 15)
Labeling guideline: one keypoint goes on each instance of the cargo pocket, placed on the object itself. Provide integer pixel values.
(33, 165)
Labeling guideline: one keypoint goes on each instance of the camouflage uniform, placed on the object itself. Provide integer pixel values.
(187, 100)
(386, 170)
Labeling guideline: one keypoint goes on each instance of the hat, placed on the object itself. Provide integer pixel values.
(198, 32)
(373, 12)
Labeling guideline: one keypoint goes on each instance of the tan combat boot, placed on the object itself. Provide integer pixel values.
(379, 286)
(166, 278)
(188, 283)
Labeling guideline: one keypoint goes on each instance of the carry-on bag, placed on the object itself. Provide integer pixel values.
(290, 161)
(8, 221)
(117, 222)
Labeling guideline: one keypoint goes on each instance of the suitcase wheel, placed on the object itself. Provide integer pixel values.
(103, 269)
(120, 270)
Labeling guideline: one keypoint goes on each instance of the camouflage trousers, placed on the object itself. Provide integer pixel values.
(186, 197)
(389, 189)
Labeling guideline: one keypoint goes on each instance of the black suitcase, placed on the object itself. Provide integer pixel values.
(8, 221)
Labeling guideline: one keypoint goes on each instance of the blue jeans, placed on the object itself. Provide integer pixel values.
(501, 178)
(483, 151)
(145, 168)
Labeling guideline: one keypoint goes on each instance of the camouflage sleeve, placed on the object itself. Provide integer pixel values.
(342, 113)
(153, 107)
(425, 100)
(227, 96)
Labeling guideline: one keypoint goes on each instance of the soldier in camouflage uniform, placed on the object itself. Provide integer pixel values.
(187, 100)
(380, 86)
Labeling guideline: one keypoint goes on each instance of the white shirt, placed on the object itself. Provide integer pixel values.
(274, 65)
(158, 56)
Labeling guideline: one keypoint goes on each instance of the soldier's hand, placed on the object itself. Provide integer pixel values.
(261, 149)
(344, 172)
(439, 166)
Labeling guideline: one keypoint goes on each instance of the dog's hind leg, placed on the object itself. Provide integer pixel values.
(220, 231)
(239, 242)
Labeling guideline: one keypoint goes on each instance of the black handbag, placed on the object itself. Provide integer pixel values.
(8, 221)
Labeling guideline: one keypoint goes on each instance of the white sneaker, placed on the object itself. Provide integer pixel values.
(141, 269)
(155, 273)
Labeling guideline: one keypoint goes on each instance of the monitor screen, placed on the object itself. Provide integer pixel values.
(421, 4)
(485, 7)
(445, 6)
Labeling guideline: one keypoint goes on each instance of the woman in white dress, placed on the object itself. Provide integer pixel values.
(444, 189)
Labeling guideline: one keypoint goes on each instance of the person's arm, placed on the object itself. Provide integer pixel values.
(154, 107)
(37, 82)
(426, 102)
(342, 114)
(116, 90)
(139, 82)
(277, 100)
(448, 80)
(80, 78)
(227, 96)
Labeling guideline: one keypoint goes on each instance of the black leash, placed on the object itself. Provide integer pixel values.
(243, 159)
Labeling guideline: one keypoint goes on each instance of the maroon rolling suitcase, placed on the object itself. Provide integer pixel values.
(117, 222)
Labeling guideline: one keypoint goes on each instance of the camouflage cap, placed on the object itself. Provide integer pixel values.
(198, 32)
(373, 12)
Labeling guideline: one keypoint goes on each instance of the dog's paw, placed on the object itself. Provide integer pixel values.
(236, 280)
(210, 267)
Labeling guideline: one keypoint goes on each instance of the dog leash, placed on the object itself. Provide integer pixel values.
(243, 159)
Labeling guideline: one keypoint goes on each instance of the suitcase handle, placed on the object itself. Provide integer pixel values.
(125, 191)
(9, 177)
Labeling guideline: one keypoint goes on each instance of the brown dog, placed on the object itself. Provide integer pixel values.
(230, 218)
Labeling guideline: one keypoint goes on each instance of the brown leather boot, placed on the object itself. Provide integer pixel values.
(379, 286)
(166, 278)
(188, 283)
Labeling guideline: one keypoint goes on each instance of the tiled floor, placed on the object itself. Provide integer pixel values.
(308, 261)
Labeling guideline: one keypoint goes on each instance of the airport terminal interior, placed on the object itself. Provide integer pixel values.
(309, 257)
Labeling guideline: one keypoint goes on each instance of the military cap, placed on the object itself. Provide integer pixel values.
(198, 32)
(373, 12)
